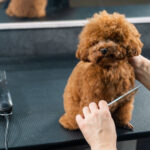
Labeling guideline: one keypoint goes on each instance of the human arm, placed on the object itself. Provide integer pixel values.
(141, 67)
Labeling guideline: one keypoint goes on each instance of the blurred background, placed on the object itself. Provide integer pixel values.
(77, 9)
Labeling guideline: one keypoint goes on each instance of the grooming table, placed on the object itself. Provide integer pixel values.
(36, 86)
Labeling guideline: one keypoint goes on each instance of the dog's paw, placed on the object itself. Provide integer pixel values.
(68, 123)
(127, 126)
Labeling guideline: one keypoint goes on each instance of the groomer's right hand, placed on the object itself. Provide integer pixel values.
(98, 127)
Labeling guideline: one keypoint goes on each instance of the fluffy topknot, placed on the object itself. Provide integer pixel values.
(103, 27)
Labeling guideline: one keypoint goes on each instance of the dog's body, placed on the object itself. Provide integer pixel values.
(103, 72)
(27, 8)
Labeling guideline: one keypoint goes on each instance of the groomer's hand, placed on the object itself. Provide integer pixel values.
(98, 127)
(141, 67)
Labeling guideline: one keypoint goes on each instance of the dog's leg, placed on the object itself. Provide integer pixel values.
(68, 121)
(9, 11)
(72, 108)
(122, 116)
(41, 13)
(35, 13)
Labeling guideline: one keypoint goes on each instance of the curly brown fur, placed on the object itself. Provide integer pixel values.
(27, 8)
(102, 75)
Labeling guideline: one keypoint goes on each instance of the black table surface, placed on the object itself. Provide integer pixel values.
(36, 86)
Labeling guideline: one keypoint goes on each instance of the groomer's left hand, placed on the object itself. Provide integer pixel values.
(98, 127)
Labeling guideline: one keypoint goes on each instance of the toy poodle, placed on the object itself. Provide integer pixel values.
(103, 72)
(27, 8)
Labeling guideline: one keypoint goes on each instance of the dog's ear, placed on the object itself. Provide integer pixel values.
(134, 47)
(82, 51)
(133, 43)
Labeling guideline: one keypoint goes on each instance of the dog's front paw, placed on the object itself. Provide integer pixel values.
(68, 123)
(127, 126)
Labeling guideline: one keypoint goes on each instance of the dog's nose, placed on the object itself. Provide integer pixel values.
(104, 51)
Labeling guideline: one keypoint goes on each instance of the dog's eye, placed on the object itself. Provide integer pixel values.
(94, 43)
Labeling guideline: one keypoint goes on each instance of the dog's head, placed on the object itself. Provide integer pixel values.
(108, 38)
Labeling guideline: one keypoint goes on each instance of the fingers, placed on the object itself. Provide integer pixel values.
(79, 119)
(103, 105)
(136, 61)
(93, 107)
(104, 109)
(86, 111)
